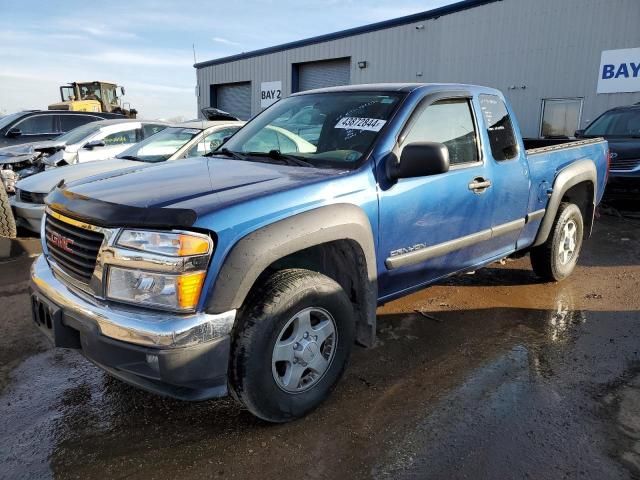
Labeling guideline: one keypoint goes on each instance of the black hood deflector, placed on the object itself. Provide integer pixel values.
(107, 214)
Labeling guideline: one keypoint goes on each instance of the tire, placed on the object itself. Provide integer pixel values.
(272, 319)
(552, 261)
(7, 222)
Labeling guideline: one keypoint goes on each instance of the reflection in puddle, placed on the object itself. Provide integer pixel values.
(563, 319)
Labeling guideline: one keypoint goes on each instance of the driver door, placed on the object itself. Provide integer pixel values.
(432, 226)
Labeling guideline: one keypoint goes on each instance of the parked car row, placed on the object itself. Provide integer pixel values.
(192, 139)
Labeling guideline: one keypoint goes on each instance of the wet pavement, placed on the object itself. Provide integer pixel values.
(500, 376)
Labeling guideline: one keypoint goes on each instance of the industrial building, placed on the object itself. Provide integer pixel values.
(560, 62)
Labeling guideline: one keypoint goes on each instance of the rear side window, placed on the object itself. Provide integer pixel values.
(499, 127)
(69, 122)
(449, 122)
(121, 138)
(37, 125)
(151, 129)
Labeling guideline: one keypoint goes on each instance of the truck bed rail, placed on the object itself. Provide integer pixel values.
(563, 145)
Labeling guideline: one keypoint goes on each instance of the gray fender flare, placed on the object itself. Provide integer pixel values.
(578, 172)
(255, 252)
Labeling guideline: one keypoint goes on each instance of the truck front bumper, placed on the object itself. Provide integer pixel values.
(181, 356)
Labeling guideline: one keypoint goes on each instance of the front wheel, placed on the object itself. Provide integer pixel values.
(556, 259)
(291, 344)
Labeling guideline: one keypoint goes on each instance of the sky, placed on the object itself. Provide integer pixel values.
(147, 46)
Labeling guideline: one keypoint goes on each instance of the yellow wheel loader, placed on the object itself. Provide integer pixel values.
(93, 97)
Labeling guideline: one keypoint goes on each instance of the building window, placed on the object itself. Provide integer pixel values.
(560, 117)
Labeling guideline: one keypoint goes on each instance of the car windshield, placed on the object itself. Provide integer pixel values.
(78, 134)
(161, 146)
(7, 119)
(623, 123)
(332, 130)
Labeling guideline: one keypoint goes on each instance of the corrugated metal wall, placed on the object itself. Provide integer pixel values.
(543, 48)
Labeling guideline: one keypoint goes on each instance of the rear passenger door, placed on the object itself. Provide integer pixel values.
(443, 217)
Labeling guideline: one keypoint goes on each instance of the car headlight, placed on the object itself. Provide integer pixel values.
(178, 289)
(165, 243)
(176, 292)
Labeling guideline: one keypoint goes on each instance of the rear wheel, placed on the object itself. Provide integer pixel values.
(291, 344)
(7, 222)
(556, 259)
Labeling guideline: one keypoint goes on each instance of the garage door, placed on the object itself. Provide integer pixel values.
(234, 98)
(329, 73)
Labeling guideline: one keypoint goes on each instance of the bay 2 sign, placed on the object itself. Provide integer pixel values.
(619, 71)
(270, 93)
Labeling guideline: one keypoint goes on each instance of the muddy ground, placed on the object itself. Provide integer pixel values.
(504, 377)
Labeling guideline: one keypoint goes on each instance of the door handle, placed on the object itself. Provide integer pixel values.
(479, 184)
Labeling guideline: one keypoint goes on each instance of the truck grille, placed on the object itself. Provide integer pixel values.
(624, 164)
(31, 197)
(74, 249)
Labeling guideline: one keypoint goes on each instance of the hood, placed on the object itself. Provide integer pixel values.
(624, 148)
(200, 185)
(26, 151)
(45, 181)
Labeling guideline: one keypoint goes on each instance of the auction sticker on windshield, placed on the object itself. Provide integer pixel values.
(358, 123)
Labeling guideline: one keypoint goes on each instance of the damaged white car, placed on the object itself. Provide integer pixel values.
(93, 141)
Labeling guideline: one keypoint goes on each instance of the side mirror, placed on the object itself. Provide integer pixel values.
(94, 144)
(420, 159)
(579, 133)
(122, 91)
(14, 132)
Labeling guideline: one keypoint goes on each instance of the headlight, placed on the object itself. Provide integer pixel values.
(176, 292)
(177, 289)
(165, 243)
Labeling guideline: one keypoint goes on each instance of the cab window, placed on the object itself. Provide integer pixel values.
(502, 139)
(449, 122)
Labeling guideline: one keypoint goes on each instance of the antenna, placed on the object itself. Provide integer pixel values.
(193, 45)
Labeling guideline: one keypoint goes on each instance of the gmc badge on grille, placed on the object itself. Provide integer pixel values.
(61, 242)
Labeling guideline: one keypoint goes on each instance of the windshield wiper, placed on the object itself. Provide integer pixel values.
(226, 152)
(130, 157)
(284, 158)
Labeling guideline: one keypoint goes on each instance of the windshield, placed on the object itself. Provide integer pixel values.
(78, 134)
(623, 123)
(323, 129)
(161, 146)
(7, 119)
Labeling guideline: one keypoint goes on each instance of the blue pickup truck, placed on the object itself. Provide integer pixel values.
(254, 270)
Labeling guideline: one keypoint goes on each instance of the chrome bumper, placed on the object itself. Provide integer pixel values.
(136, 326)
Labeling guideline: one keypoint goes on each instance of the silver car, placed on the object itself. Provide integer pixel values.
(191, 139)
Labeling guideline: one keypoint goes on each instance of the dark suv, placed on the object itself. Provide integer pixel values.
(621, 127)
(36, 125)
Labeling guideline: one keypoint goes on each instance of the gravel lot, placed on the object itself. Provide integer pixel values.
(500, 376)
